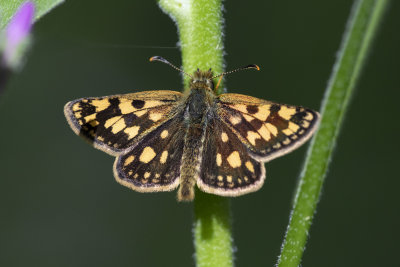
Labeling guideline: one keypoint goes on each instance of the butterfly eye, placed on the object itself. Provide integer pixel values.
(210, 84)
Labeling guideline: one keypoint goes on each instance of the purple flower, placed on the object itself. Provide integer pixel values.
(17, 32)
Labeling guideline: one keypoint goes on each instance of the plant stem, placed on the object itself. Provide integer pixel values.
(200, 34)
(357, 39)
(212, 231)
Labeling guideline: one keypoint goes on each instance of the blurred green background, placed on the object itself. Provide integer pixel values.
(60, 204)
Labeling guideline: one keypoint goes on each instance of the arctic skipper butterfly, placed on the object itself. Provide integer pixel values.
(165, 139)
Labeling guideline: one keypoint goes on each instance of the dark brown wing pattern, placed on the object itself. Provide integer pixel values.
(153, 164)
(245, 133)
(227, 167)
(114, 123)
(268, 129)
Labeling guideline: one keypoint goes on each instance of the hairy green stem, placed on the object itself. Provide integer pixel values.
(200, 35)
(212, 231)
(357, 39)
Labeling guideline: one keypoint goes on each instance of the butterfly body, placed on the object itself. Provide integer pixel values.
(166, 139)
(200, 104)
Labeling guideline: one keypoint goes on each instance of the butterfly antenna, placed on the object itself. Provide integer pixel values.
(252, 66)
(163, 60)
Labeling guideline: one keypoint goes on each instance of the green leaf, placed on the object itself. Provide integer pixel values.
(9, 7)
(357, 39)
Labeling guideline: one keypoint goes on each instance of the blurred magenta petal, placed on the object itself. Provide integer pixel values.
(18, 30)
(21, 23)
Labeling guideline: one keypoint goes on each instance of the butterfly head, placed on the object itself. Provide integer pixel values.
(202, 79)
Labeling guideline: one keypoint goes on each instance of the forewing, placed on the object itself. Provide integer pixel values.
(227, 167)
(153, 164)
(114, 123)
(268, 129)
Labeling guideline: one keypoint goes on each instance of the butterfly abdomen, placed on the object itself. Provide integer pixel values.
(190, 165)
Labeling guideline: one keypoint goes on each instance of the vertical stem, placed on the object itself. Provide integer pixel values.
(200, 34)
(212, 231)
(357, 39)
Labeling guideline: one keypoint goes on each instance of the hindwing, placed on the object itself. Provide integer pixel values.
(228, 169)
(153, 164)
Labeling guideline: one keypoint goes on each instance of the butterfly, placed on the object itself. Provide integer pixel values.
(165, 139)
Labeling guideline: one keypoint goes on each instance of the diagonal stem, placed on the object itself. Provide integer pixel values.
(357, 39)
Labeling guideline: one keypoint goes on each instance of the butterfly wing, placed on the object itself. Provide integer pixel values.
(268, 129)
(227, 168)
(114, 123)
(248, 132)
(153, 164)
